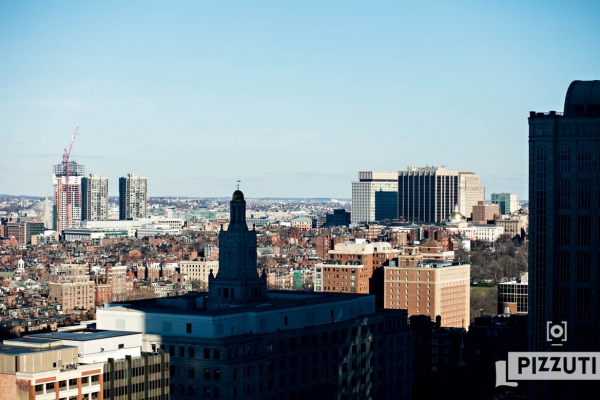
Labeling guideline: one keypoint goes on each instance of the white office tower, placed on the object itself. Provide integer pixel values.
(507, 202)
(133, 197)
(94, 198)
(470, 193)
(363, 193)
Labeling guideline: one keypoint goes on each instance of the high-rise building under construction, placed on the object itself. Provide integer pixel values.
(67, 194)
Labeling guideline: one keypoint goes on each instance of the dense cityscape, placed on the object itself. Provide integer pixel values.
(85, 263)
(299, 201)
(201, 290)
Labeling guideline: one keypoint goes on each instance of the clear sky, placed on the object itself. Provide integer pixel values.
(292, 98)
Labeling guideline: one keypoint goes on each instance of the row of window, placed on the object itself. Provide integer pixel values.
(583, 158)
(67, 385)
(269, 384)
(334, 335)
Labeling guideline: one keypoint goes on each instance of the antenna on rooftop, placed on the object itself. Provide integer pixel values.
(238, 184)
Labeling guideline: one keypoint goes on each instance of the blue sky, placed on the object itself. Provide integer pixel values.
(292, 98)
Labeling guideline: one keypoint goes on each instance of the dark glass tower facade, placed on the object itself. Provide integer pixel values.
(564, 245)
(386, 205)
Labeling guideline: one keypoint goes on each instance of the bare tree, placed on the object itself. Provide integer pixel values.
(484, 302)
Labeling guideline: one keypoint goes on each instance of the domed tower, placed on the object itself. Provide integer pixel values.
(237, 281)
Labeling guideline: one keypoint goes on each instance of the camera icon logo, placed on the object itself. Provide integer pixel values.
(556, 332)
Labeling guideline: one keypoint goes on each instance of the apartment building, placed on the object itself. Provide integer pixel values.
(198, 270)
(133, 197)
(301, 223)
(430, 287)
(104, 294)
(350, 266)
(94, 198)
(73, 295)
(116, 276)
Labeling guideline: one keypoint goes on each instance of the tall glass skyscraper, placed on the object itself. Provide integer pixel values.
(564, 244)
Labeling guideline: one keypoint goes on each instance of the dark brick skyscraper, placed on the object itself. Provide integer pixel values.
(564, 259)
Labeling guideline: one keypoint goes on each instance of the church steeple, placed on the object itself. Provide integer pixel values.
(238, 280)
(237, 211)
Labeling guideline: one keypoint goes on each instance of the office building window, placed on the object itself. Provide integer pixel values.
(563, 194)
(563, 263)
(583, 303)
(584, 194)
(562, 302)
(584, 228)
(563, 230)
(584, 158)
(583, 267)
(564, 158)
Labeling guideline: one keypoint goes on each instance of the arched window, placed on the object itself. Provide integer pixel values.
(564, 158)
(584, 158)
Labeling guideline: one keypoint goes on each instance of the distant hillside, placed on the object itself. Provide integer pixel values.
(22, 196)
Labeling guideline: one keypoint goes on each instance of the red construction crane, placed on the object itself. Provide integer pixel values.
(67, 170)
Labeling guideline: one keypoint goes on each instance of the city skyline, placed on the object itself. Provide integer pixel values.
(292, 93)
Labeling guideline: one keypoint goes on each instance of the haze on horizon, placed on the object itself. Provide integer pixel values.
(293, 99)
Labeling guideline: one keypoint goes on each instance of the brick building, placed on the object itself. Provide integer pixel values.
(73, 295)
(198, 270)
(104, 294)
(350, 266)
(429, 287)
(482, 213)
(116, 276)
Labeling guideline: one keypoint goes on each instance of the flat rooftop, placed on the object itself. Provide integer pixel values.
(28, 345)
(19, 351)
(83, 335)
(278, 300)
